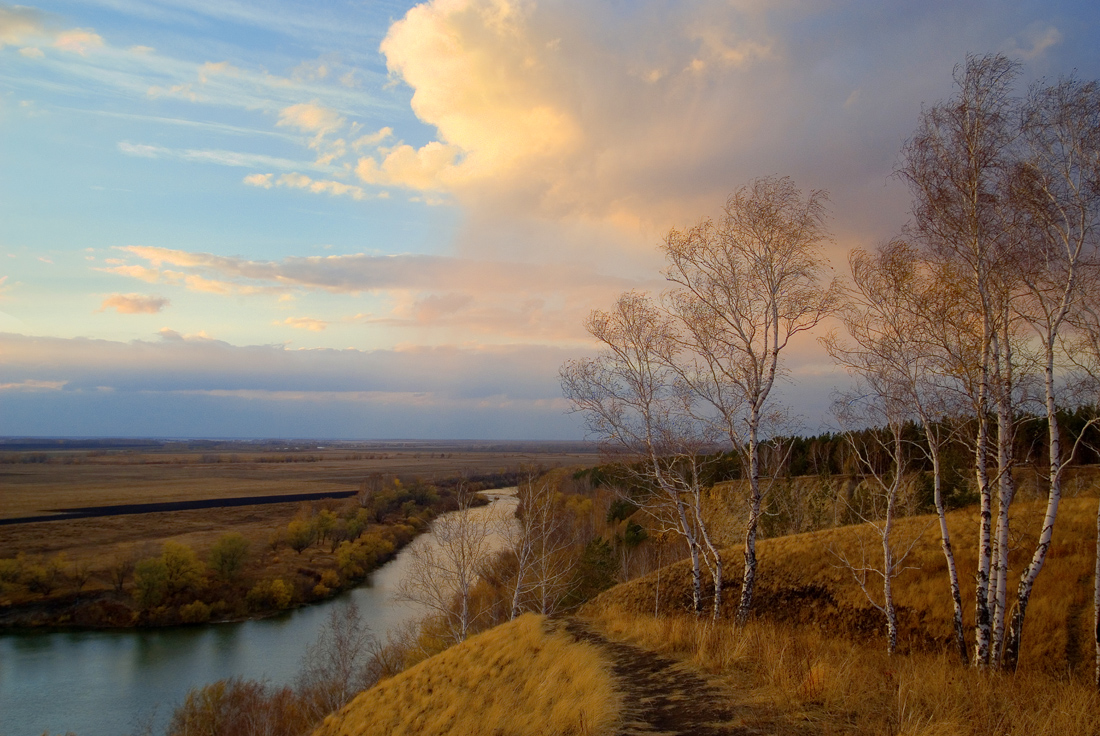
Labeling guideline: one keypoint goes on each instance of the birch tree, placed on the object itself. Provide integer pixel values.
(745, 286)
(1057, 194)
(881, 403)
(633, 400)
(542, 541)
(890, 312)
(444, 567)
(955, 166)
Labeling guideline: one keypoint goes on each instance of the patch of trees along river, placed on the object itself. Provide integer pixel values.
(109, 683)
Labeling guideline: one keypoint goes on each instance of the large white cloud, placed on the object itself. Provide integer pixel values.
(651, 112)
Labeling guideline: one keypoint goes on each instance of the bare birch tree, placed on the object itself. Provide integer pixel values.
(1056, 191)
(955, 166)
(444, 568)
(747, 285)
(633, 399)
(890, 313)
(876, 414)
(542, 541)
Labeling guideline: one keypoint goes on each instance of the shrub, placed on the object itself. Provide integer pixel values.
(324, 523)
(239, 707)
(228, 555)
(150, 582)
(299, 535)
(196, 612)
(356, 559)
(183, 568)
(11, 569)
(272, 593)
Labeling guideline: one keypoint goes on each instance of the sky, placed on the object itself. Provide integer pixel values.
(357, 219)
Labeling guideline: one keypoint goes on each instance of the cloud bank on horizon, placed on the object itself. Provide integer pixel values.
(273, 218)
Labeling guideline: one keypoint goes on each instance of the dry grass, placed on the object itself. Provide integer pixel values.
(789, 680)
(524, 677)
(802, 582)
(120, 478)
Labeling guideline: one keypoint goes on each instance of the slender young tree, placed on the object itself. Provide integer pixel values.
(955, 165)
(891, 310)
(633, 400)
(444, 568)
(542, 541)
(876, 414)
(745, 286)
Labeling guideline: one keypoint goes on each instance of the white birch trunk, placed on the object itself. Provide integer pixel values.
(945, 543)
(748, 580)
(1096, 599)
(1054, 497)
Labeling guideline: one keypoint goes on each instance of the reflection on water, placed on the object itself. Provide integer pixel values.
(108, 683)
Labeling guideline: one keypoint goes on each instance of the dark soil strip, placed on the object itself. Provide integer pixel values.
(662, 696)
(89, 512)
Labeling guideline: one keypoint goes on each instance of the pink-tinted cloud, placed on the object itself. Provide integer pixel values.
(133, 304)
(78, 41)
(305, 323)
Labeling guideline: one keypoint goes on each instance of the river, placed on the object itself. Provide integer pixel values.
(111, 683)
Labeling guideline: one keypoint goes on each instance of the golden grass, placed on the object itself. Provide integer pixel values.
(802, 582)
(785, 679)
(524, 677)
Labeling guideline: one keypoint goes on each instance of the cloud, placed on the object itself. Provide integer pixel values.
(33, 385)
(221, 68)
(133, 304)
(176, 363)
(209, 156)
(78, 41)
(32, 52)
(1035, 41)
(446, 298)
(324, 186)
(362, 272)
(305, 323)
(372, 139)
(18, 24)
(259, 180)
(310, 117)
(649, 114)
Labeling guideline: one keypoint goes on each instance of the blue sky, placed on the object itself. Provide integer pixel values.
(380, 219)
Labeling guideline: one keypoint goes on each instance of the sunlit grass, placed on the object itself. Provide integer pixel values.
(524, 677)
(798, 680)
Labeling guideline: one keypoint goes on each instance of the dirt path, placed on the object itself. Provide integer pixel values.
(662, 696)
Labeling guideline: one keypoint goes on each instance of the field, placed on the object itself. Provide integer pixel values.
(45, 480)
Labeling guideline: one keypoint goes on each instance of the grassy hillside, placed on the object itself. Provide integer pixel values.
(803, 581)
(524, 677)
(812, 662)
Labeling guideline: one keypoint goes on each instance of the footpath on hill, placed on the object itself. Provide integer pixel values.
(663, 696)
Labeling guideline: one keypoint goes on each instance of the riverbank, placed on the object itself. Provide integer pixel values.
(243, 564)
